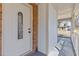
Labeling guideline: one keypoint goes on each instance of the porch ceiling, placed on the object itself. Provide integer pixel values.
(64, 10)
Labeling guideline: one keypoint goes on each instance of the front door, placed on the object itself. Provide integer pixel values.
(13, 42)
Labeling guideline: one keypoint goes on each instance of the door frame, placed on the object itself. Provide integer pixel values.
(28, 5)
(35, 26)
(34, 18)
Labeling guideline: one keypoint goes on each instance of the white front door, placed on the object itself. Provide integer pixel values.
(11, 44)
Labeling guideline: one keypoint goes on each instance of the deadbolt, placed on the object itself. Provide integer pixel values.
(29, 28)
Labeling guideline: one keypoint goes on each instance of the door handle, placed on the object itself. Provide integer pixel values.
(29, 31)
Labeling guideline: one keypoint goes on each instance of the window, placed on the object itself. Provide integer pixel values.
(20, 25)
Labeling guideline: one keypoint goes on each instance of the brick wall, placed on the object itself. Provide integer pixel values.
(0, 26)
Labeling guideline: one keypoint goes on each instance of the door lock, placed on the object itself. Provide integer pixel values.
(29, 31)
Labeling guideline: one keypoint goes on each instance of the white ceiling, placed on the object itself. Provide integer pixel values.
(64, 10)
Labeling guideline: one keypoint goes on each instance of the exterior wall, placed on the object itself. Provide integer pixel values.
(47, 36)
(42, 26)
(52, 30)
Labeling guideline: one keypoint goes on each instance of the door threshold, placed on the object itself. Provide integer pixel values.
(27, 53)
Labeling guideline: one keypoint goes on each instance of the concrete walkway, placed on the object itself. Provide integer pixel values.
(67, 47)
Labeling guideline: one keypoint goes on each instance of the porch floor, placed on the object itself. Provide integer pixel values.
(37, 54)
(67, 49)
